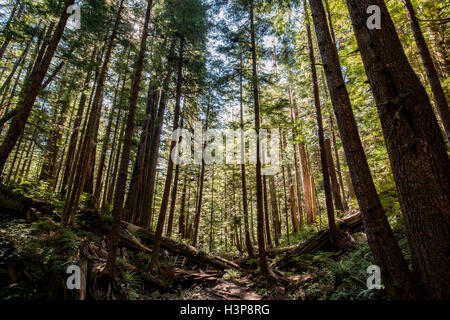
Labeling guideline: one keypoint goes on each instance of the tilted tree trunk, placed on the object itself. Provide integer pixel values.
(337, 238)
(16, 14)
(119, 193)
(338, 162)
(416, 148)
(31, 89)
(384, 247)
(432, 74)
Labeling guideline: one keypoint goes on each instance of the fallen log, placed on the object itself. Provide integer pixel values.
(134, 236)
(275, 251)
(351, 224)
(188, 251)
(18, 205)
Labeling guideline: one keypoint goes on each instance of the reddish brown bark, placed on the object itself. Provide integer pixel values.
(123, 169)
(166, 193)
(384, 247)
(415, 145)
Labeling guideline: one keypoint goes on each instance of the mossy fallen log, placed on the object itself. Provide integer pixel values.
(18, 205)
(188, 251)
(351, 223)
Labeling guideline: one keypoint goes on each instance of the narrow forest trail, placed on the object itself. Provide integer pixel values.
(210, 287)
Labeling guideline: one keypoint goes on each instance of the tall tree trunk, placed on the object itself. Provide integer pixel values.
(385, 249)
(31, 90)
(292, 198)
(259, 188)
(211, 220)
(248, 242)
(173, 200)
(285, 197)
(338, 162)
(124, 162)
(337, 238)
(198, 205)
(160, 100)
(166, 194)
(87, 149)
(106, 139)
(432, 74)
(416, 148)
(182, 219)
(73, 142)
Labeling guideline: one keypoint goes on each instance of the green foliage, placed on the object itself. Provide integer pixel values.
(338, 277)
(133, 284)
(232, 273)
(37, 255)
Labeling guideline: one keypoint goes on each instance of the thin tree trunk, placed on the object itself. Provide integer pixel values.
(87, 149)
(432, 74)
(275, 219)
(334, 182)
(173, 200)
(101, 165)
(285, 197)
(198, 206)
(259, 188)
(182, 219)
(337, 238)
(248, 242)
(165, 199)
(11, 23)
(266, 213)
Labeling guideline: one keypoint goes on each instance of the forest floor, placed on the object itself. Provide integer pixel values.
(35, 253)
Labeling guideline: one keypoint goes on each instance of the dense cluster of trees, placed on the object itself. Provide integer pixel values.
(87, 115)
